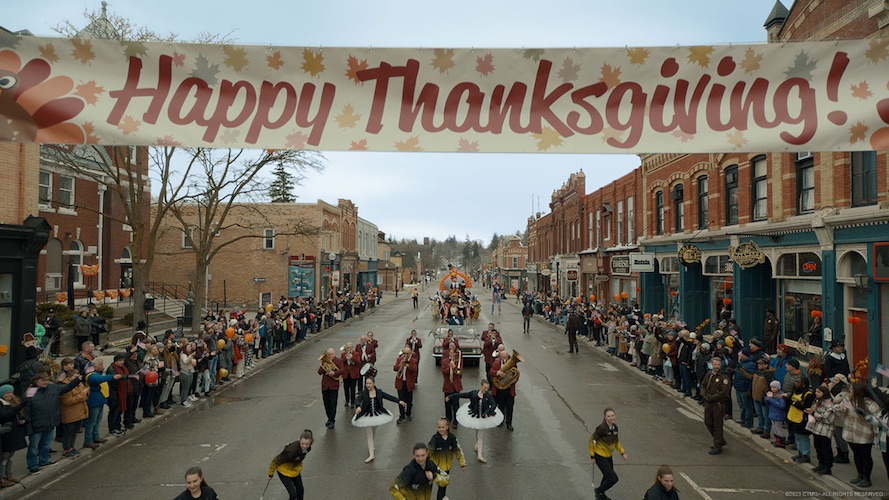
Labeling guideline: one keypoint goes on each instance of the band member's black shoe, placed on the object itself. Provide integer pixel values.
(509, 426)
(400, 420)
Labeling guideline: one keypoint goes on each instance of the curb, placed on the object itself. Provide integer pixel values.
(32, 484)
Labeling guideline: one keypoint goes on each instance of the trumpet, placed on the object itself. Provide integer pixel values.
(328, 365)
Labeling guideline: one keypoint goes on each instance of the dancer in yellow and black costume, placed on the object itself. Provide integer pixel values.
(415, 480)
(443, 449)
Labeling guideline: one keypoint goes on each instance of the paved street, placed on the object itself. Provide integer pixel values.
(234, 435)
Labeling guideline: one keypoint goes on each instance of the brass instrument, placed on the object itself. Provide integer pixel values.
(328, 365)
(405, 362)
(510, 372)
(457, 367)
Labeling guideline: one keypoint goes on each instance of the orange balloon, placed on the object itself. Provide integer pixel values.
(248, 338)
(220, 344)
(624, 295)
(592, 298)
(229, 332)
(617, 296)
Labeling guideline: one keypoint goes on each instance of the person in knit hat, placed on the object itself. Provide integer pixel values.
(777, 405)
(11, 416)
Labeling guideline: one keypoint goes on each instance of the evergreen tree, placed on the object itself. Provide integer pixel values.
(281, 189)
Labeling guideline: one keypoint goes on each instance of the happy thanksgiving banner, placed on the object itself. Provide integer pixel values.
(817, 96)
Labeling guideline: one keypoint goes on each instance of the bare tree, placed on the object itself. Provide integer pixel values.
(221, 195)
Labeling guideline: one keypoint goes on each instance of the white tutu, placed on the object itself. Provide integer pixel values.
(362, 420)
(468, 421)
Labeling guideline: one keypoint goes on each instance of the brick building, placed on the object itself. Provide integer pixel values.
(811, 229)
(509, 262)
(268, 260)
(87, 220)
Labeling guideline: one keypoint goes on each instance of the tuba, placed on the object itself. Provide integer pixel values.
(328, 365)
(510, 372)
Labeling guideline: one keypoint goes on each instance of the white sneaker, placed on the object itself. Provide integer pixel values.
(192, 398)
(186, 403)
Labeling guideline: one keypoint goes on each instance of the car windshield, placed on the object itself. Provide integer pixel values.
(460, 333)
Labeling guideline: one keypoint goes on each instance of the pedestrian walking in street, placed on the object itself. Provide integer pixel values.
(603, 443)
(571, 328)
(370, 413)
(289, 465)
(716, 389)
(415, 480)
(663, 486)
(443, 448)
(479, 413)
(196, 487)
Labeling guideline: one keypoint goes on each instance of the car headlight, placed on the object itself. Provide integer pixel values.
(476, 351)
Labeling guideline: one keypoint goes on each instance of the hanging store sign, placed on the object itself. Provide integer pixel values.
(689, 255)
(747, 255)
(642, 262)
(620, 264)
(571, 275)
(823, 96)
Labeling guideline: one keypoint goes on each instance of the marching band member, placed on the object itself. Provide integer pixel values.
(480, 413)
(450, 339)
(505, 397)
(490, 340)
(351, 362)
(415, 480)
(368, 354)
(415, 344)
(452, 370)
(370, 412)
(443, 448)
(406, 372)
(331, 370)
(372, 341)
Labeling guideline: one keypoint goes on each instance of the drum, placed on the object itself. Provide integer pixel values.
(368, 370)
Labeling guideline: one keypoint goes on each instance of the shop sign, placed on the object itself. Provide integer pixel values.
(689, 255)
(809, 267)
(747, 255)
(641, 262)
(571, 274)
(545, 272)
(620, 264)
(552, 279)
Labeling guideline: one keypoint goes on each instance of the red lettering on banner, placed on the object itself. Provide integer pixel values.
(807, 113)
(192, 103)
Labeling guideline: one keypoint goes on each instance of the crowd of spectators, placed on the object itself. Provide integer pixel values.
(788, 397)
(56, 397)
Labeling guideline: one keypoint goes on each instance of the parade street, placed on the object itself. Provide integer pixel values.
(233, 435)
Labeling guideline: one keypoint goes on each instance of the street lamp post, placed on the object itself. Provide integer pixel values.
(387, 275)
(396, 280)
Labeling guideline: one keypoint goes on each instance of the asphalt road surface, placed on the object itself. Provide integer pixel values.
(234, 435)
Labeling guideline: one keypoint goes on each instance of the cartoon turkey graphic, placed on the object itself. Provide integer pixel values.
(35, 107)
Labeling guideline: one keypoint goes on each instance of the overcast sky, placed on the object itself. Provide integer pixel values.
(412, 195)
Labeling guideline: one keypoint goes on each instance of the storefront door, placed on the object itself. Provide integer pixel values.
(859, 337)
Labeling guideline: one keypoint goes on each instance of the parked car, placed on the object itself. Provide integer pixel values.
(467, 337)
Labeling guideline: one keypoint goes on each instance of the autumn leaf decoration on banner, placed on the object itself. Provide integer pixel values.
(348, 118)
(700, 55)
(48, 52)
(547, 138)
(235, 57)
(412, 143)
(313, 64)
(484, 65)
(89, 91)
(857, 133)
(638, 56)
(83, 50)
(877, 50)
(465, 146)
(274, 60)
(861, 91)
(443, 60)
(355, 66)
(751, 61)
(610, 76)
(569, 70)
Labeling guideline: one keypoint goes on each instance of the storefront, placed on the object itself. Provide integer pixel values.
(800, 289)
(623, 284)
(668, 268)
(589, 269)
(718, 269)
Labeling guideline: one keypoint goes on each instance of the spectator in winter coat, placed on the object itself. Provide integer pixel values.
(82, 328)
(98, 395)
(84, 357)
(702, 360)
(761, 379)
(118, 393)
(777, 404)
(73, 412)
(29, 368)
(12, 411)
(742, 382)
(836, 361)
(98, 326)
(43, 416)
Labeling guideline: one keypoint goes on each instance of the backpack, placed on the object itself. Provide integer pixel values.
(103, 387)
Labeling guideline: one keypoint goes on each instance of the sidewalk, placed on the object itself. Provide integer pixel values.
(841, 473)
(30, 482)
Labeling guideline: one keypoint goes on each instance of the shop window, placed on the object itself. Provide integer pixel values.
(802, 265)
(731, 195)
(805, 186)
(864, 178)
(620, 222)
(760, 188)
(669, 265)
(703, 202)
(268, 239)
(659, 212)
(515, 262)
(787, 265)
(799, 299)
(718, 265)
